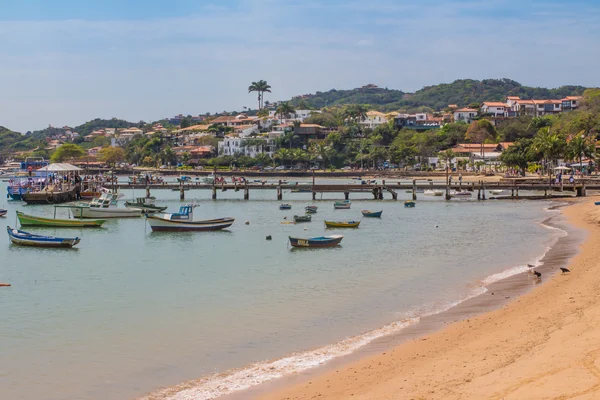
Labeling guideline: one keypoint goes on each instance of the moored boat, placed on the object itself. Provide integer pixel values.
(311, 209)
(3, 212)
(409, 204)
(285, 206)
(342, 224)
(184, 221)
(342, 205)
(463, 193)
(302, 218)
(32, 220)
(104, 206)
(146, 204)
(371, 214)
(316, 242)
(496, 191)
(28, 239)
(434, 192)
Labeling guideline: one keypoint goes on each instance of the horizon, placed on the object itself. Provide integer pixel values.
(67, 63)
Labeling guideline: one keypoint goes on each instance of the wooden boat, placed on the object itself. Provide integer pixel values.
(184, 178)
(31, 220)
(434, 192)
(146, 204)
(302, 218)
(28, 239)
(371, 214)
(342, 224)
(342, 205)
(311, 209)
(409, 204)
(3, 212)
(316, 242)
(496, 191)
(285, 206)
(184, 221)
(464, 193)
(104, 206)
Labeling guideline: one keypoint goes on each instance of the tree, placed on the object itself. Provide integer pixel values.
(285, 109)
(447, 156)
(67, 151)
(480, 131)
(260, 87)
(111, 155)
(579, 146)
(550, 145)
(185, 123)
(518, 155)
(355, 112)
(263, 159)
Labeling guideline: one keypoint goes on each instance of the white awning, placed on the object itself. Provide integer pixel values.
(60, 167)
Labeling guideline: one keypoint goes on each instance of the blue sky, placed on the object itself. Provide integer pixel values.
(66, 61)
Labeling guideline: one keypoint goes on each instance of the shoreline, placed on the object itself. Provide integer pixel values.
(544, 343)
(489, 294)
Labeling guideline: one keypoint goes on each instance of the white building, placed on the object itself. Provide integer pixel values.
(495, 108)
(299, 115)
(465, 115)
(251, 147)
(373, 119)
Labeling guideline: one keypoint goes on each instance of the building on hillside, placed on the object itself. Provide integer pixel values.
(233, 145)
(245, 130)
(539, 108)
(193, 151)
(194, 129)
(465, 115)
(419, 122)
(310, 132)
(299, 115)
(570, 103)
(495, 108)
(475, 152)
(373, 119)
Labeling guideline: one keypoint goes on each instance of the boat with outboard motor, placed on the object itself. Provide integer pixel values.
(184, 221)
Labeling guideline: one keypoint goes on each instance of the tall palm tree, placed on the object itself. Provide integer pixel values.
(260, 87)
(550, 145)
(581, 145)
(285, 109)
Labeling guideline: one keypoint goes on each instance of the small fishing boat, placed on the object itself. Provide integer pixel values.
(302, 218)
(184, 178)
(146, 204)
(285, 206)
(104, 206)
(371, 214)
(342, 205)
(28, 239)
(416, 191)
(3, 212)
(434, 192)
(303, 190)
(597, 203)
(316, 242)
(184, 221)
(32, 220)
(464, 193)
(496, 191)
(311, 209)
(409, 204)
(342, 224)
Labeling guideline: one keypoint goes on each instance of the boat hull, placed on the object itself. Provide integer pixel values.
(160, 224)
(339, 224)
(326, 241)
(3, 213)
(26, 239)
(30, 220)
(372, 214)
(101, 213)
(144, 208)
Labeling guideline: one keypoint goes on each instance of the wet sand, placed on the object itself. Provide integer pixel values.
(543, 344)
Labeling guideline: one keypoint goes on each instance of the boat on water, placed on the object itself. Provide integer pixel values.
(342, 224)
(146, 204)
(3, 212)
(496, 191)
(311, 209)
(416, 191)
(342, 205)
(32, 220)
(301, 190)
(29, 239)
(184, 221)
(316, 242)
(463, 193)
(371, 214)
(302, 218)
(409, 204)
(184, 178)
(434, 192)
(285, 206)
(104, 206)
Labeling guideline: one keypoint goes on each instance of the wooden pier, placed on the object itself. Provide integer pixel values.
(378, 190)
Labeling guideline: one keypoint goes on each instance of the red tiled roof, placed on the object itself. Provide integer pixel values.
(494, 104)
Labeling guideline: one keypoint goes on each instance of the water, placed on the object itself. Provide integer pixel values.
(131, 311)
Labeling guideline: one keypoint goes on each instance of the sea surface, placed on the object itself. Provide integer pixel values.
(129, 311)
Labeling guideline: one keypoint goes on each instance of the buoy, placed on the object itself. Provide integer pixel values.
(305, 228)
(4, 284)
(247, 222)
(268, 237)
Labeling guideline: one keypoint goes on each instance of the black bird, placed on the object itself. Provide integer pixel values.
(530, 266)
(565, 270)
(538, 274)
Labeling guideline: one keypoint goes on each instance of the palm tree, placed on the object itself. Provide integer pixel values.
(355, 112)
(581, 145)
(550, 145)
(285, 109)
(322, 150)
(260, 87)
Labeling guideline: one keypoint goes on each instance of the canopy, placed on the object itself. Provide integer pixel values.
(562, 168)
(60, 167)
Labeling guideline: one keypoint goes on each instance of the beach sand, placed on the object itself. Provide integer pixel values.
(544, 344)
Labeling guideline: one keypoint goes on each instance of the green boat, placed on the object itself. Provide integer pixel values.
(31, 220)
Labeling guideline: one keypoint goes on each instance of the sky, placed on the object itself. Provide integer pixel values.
(64, 62)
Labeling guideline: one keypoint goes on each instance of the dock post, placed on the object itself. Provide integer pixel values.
(214, 192)
(314, 195)
(380, 194)
(482, 190)
(147, 191)
(347, 195)
(414, 190)
(181, 192)
(561, 185)
(517, 193)
(546, 192)
(479, 191)
(512, 193)
(246, 192)
(279, 193)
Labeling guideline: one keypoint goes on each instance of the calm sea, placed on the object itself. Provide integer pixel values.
(130, 311)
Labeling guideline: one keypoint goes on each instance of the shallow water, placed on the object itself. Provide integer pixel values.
(130, 311)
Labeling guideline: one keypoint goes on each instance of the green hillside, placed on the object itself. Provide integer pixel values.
(461, 92)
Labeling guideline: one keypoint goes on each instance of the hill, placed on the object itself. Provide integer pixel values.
(85, 128)
(461, 92)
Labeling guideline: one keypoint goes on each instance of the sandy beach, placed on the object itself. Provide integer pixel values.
(542, 345)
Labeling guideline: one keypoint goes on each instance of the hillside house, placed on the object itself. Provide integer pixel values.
(465, 115)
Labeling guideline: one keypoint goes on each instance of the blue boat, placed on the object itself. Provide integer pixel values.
(285, 207)
(316, 242)
(597, 203)
(28, 239)
(409, 204)
(3, 212)
(371, 214)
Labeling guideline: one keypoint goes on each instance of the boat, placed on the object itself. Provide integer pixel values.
(342, 224)
(285, 206)
(311, 209)
(3, 212)
(146, 204)
(434, 192)
(316, 242)
(371, 214)
(184, 221)
(342, 205)
(32, 220)
(28, 239)
(209, 180)
(461, 194)
(301, 190)
(496, 191)
(302, 218)
(184, 178)
(416, 191)
(104, 206)
(597, 203)
(409, 204)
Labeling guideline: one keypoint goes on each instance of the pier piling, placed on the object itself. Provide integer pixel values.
(279, 193)
(181, 192)
(414, 190)
(214, 192)
(147, 191)
(246, 193)
(482, 190)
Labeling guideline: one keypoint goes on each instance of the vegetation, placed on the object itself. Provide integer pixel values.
(260, 87)
(66, 152)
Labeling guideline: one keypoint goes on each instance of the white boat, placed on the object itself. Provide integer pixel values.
(496, 191)
(434, 192)
(104, 206)
(209, 180)
(184, 221)
(461, 194)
